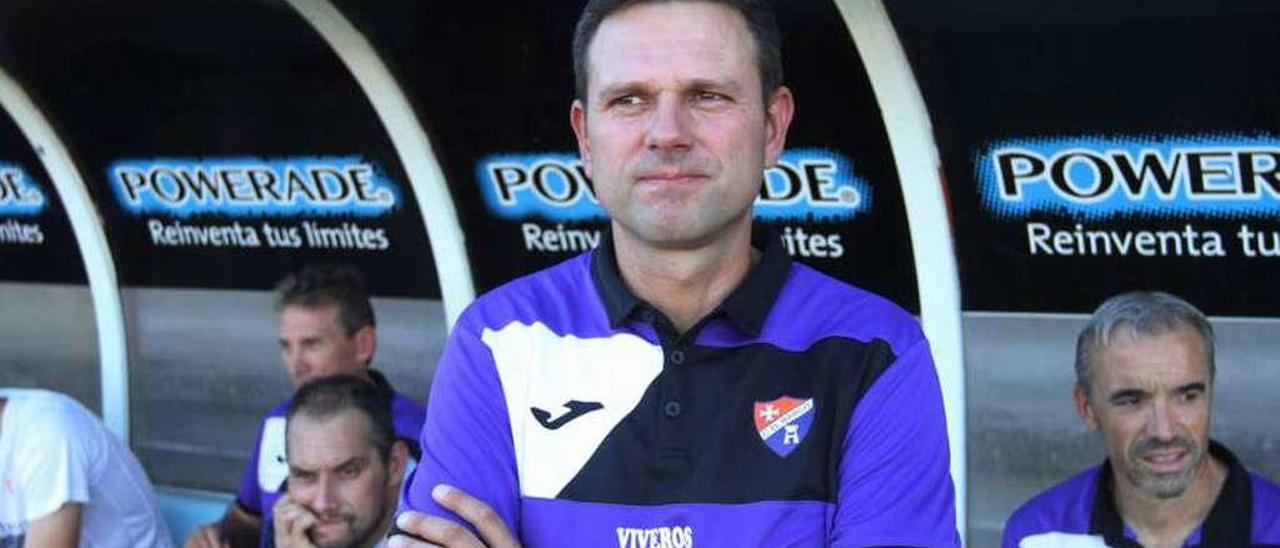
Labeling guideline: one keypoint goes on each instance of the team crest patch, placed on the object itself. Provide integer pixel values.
(783, 423)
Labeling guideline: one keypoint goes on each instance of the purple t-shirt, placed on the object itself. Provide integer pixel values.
(267, 469)
(1083, 511)
(803, 412)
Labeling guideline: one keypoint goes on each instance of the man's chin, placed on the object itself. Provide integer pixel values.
(1164, 473)
(1163, 485)
(335, 535)
(1167, 488)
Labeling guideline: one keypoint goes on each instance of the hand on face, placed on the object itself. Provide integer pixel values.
(434, 531)
(291, 522)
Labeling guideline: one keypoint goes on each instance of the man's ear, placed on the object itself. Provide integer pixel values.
(578, 120)
(366, 343)
(397, 463)
(1084, 408)
(782, 107)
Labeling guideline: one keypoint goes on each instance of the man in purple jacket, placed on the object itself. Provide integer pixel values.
(1144, 382)
(684, 384)
(327, 327)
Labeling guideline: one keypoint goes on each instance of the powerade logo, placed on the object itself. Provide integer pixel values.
(549, 185)
(254, 187)
(812, 184)
(1226, 176)
(19, 197)
(807, 185)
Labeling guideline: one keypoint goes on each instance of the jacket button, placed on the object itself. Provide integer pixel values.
(671, 409)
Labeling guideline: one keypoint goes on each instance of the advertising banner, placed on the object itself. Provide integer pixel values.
(36, 241)
(1092, 155)
(296, 203)
(1092, 148)
(225, 160)
(500, 123)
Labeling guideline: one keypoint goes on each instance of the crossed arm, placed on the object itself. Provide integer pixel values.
(432, 531)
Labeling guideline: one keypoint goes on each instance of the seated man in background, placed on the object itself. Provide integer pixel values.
(327, 327)
(1144, 381)
(66, 481)
(345, 467)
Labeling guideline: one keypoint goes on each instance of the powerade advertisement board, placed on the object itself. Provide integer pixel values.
(494, 86)
(1108, 147)
(221, 159)
(1091, 148)
(36, 241)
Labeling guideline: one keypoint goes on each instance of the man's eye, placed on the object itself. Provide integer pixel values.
(626, 101)
(1127, 401)
(1191, 396)
(710, 96)
(349, 471)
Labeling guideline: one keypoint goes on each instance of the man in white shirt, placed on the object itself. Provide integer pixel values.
(66, 481)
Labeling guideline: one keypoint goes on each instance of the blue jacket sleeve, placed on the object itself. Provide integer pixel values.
(466, 439)
(895, 484)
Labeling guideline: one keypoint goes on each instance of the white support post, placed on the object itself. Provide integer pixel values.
(91, 237)
(430, 188)
(915, 155)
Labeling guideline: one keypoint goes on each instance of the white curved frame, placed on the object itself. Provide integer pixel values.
(91, 237)
(906, 119)
(430, 188)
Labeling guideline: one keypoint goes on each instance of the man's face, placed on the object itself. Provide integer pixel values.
(313, 344)
(335, 473)
(1151, 401)
(674, 132)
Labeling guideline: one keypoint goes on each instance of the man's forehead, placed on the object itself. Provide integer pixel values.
(328, 440)
(326, 312)
(693, 40)
(1163, 360)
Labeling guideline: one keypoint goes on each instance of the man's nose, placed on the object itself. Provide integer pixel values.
(294, 361)
(1161, 423)
(669, 125)
(326, 497)
(291, 356)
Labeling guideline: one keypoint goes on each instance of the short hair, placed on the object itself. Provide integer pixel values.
(341, 286)
(1141, 313)
(759, 17)
(326, 397)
